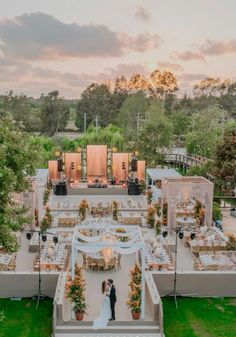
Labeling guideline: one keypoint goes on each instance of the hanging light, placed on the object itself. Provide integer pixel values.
(55, 239)
(44, 237)
(28, 236)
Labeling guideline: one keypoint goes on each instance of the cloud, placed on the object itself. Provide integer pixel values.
(171, 66)
(41, 36)
(191, 77)
(126, 70)
(212, 47)
(142, 13)
(188, 55)
(141, 42)
(208, 48)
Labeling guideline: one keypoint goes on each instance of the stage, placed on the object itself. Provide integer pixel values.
(83, 189)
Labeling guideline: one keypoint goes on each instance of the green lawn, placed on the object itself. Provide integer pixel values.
(23, 320)
(197, 317)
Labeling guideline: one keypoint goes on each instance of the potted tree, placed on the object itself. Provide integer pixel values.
(134, 297)
(75, 291)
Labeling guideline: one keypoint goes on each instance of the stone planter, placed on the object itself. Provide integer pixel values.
(79, 315)
(135, 315)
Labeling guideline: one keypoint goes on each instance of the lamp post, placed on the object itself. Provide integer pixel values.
(42, 236)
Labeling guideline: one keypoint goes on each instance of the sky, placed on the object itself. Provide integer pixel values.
(66, 45)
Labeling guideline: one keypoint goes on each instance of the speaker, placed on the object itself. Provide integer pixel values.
(61, 189)
(133, 188)
(134, 165)
(59, 165)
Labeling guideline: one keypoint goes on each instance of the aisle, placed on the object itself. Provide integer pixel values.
(121, 280)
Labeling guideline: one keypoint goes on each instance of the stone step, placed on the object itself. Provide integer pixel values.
(111, 329)
(113, 323)
(110, 335)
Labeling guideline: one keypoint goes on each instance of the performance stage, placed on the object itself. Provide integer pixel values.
(83, 189)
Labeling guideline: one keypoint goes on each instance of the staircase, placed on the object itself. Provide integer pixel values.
(114, 329)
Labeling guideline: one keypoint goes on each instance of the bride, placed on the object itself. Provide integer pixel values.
(102, 320)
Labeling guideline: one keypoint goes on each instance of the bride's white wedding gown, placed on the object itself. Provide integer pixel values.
(105, 314)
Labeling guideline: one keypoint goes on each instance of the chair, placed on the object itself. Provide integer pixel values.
(119, 261)
(90, 263)
(101, 264)
(112, 263)
(85, 262)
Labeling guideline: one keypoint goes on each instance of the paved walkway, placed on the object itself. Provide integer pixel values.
(24, 259)
(121, 280)
(228, 222)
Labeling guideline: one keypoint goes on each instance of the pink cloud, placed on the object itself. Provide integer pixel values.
(171, 66)
(188, 55)
(212, 47)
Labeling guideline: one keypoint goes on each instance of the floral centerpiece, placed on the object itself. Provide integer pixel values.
(75, 291)
(231, 243)
(134, 297)
(149, 196)
(82, 209)
(151, 216)
(122, 238)
(115, 210)
(47, 219)
(164, 213)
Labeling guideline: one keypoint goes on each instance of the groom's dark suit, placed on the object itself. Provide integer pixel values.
(113, 301)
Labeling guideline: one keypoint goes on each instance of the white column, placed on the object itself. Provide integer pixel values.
(143, 283)
(73, 252)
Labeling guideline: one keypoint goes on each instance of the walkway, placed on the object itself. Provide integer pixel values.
(121, 280)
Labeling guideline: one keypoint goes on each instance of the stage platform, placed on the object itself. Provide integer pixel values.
(110, 190)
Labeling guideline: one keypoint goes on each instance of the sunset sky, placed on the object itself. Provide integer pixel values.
(68, 44)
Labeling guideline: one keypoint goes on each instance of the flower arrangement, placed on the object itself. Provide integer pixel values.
(82, 209)
(47, 219)
(164, 213)
(75, 291)
(122, 238)
(134, 297)
(158, 208)
(231, 243)
(115, 210)
(151, 216)
(149, 196)
(46, 194)
(199, 212)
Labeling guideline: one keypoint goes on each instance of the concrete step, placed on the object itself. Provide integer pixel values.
(110, 329)
(96, 334)
(113, 323)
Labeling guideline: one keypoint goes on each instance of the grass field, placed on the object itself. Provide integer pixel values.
(208, 317)
(23, 320)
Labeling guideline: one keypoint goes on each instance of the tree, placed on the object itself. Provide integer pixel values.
(131, 114)
(206, 131)
(110, 136)
(54, 113)
(162, 84)
(155, 135)
(19, 108)
(18, 160)
(96, 102)
(225, 162)
(181, 122)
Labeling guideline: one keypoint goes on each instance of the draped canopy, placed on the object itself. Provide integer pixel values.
(109, 236)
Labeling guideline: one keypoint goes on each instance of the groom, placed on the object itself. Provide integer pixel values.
(112, 299)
